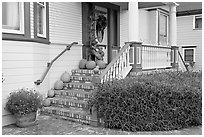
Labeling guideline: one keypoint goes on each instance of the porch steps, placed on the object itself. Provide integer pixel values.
(70, 103)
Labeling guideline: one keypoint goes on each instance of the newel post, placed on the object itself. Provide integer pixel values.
(94, 115)
(135, 56)
(174, 57)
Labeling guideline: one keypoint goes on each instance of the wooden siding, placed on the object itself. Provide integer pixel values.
(187, 36)
(65, 22)
(144, 32)
(25, 62)
(124, 29)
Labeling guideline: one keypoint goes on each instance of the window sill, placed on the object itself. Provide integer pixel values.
(197, 29)
(22, 38)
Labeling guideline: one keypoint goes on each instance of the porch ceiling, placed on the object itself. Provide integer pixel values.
(124, 5)
(149, 4)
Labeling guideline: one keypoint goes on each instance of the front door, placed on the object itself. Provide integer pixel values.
(108, 39)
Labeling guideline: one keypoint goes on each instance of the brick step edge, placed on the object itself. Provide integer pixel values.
(84, 72)
(78, 85)
(86, 119)
(69, 103)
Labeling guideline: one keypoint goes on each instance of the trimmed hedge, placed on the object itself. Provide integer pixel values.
(152, 102)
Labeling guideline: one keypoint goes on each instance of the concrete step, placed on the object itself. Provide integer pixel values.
(69, 103)
(78, 85)
(69, 114)
(79, 94)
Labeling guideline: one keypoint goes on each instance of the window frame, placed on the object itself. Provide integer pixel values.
(38, 37)
(167, 26)
(21, 31)
(194, 19)
(8, 34)
(193, 48)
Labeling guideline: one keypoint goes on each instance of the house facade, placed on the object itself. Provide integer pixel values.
(189, 32)
(33, 33)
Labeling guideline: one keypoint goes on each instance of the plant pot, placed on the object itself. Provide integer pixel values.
(26, 120)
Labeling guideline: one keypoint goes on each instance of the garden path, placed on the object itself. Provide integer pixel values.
(47, 125)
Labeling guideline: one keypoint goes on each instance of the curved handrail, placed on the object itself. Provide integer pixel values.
(49, 64)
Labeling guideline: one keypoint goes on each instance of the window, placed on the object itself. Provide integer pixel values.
(41, 19)
(13, 17)
(197, 22)
(163, 25)
(41, 22)
(189, 54)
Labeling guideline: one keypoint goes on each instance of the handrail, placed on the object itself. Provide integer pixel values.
(49, 64)
(114, 61)
(183, 60)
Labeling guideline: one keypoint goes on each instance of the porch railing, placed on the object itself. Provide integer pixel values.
(118, 68)
(154, 57)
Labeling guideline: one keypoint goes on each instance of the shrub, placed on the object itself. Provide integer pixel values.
(23, 101)
(152, 102)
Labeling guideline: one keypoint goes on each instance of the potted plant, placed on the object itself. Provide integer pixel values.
(24, 104)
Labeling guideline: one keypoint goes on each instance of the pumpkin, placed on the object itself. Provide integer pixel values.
(50, 93)
(58, 85)
(90, 64)
(46, 103)
(82, 64)
(101, 64)
(65, 77)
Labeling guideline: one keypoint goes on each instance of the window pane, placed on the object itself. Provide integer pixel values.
(188, 54)
(40, 19)
(198, 23)
(163, 25)
(10, 15)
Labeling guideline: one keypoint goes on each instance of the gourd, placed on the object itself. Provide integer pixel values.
(82, 64)
(50, 93)
(58, 85)
(46, 103)
(90, 64)
(65, 77)
(101, 64)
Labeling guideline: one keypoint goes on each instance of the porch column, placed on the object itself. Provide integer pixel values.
(172, 24)
(173, 33)
(133, 21)
(134, 37)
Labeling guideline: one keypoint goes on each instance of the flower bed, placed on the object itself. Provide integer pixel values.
(152, 102)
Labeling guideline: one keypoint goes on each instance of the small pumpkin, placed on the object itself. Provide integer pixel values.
(101, 64)
(90, 64)
(46, 103)
(58, 85)
(82, 64)
(50, 93)
(65, 77)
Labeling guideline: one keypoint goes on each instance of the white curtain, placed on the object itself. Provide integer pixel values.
(10, 15)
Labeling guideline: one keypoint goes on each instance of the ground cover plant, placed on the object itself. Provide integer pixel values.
(151, 102)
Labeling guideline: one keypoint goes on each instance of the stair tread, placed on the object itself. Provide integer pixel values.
(78, 83)
(81, 91)
(66, 99)
(72, 110)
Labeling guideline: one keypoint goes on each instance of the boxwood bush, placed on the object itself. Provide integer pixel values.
(151, 102)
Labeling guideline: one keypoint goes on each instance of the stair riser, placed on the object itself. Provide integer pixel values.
(68, 104)
(73, 86)
(73, 97)
(69, 116)
(73, 94)
(85, 72)
(81, 79)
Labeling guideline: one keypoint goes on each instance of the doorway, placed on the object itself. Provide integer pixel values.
(109, 38)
